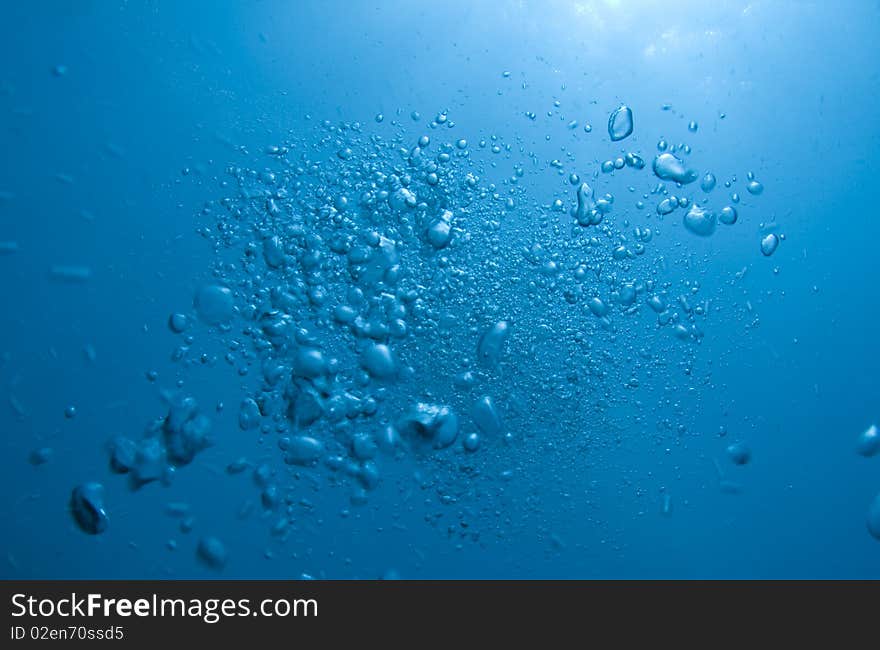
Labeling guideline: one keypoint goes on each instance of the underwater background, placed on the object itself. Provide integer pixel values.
(390, 290)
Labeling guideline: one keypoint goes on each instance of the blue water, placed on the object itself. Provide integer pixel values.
(664, 398)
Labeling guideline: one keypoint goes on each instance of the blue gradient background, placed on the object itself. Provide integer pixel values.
(152, 88)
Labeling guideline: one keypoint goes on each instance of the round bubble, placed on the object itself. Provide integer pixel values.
(727, 215)
(178, 323)
(755, 188)
(739, 453)
(708, 182)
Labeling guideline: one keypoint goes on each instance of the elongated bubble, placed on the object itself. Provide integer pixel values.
(873, 520)
(87, 508)
(670, 168)
(620, 123)
(869, 442)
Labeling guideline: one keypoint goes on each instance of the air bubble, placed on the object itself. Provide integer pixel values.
(87, 508)
(670, 168)
(869, 442)
(212, 552)
(727, 215)
(708, 182)
(620, 123)
(739, 453)
(214, 304)
(769, 244)
(700, 221)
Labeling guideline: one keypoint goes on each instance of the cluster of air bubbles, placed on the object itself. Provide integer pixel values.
(171, 442)
(374, 288)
